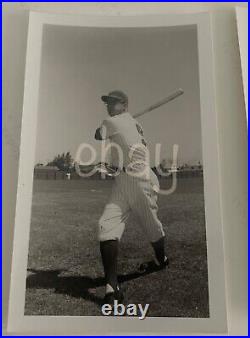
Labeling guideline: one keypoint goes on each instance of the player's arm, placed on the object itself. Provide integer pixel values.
(105, 131)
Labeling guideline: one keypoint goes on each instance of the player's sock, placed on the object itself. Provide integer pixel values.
(159, 250)
(109, 253)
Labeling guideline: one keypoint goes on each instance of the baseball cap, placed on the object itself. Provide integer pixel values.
(115, 95)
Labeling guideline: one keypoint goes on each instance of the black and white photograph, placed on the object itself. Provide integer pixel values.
(117, 206)
(122, 225)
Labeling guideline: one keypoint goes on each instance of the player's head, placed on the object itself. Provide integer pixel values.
(116, 102)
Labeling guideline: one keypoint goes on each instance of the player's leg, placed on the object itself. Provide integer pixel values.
(144, 204)
(153, 228)
(109, 254)
(111, 227)
(159, 250)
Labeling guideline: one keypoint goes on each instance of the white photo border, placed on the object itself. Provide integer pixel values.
(74, 325)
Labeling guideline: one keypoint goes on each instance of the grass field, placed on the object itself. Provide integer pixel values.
(65, 275)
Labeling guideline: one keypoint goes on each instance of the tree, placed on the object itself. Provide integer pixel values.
(64, 162)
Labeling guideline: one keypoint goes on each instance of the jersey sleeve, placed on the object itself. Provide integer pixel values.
(107, 129)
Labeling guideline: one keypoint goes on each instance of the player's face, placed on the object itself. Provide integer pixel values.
(115, 108)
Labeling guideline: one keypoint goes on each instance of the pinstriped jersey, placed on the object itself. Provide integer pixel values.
(127, 137)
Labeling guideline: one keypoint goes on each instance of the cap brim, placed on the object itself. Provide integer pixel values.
(105, 98)
(109, 98)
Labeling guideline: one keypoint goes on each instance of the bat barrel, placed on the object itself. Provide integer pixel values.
(161, 103)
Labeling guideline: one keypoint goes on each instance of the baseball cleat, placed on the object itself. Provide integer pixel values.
(112, 296)
(152, 266)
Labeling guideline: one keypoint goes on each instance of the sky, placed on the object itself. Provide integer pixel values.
(80, 64)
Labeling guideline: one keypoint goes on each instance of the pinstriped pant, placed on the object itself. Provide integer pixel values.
(131, 195)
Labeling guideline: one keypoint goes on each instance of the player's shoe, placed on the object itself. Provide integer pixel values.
(111, 296)
(153, 266)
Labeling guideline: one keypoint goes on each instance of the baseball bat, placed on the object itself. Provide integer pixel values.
(160, 103)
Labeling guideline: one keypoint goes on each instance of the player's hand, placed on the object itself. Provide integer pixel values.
(98, 135)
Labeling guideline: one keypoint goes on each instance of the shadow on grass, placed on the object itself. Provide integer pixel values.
(74, 286)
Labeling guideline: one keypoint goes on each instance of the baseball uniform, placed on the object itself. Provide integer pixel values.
(135, 188)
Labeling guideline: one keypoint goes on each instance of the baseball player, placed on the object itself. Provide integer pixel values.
(134, 190)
